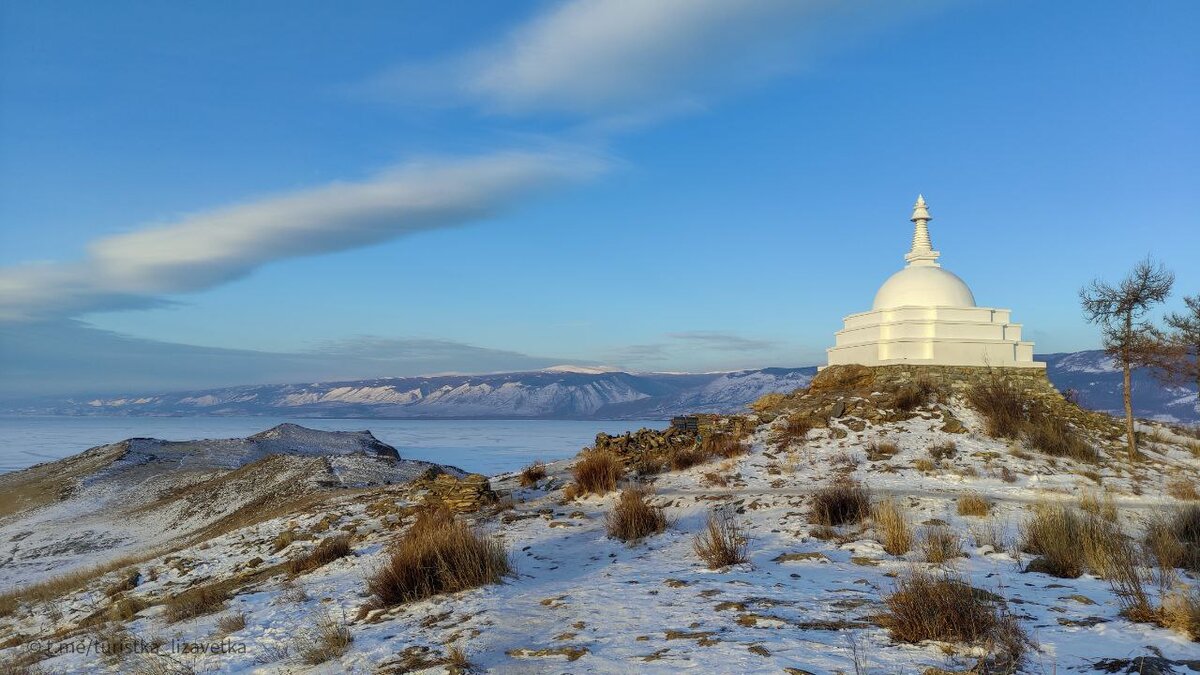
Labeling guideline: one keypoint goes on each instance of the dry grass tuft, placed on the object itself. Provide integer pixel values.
(881, 450)
(893, 528)
(437, 554)
(726, 446)
(633, 517)
(687, 457)
(1173, 541)
(723, 542)
(196, 601)
(944, 450)
(1183, 489)
(328, 640)
(232, 623)
(794, 430)
(924, 465)
(532, 474)
(1002, 407)
(939, 544)
(913, 395)
(973, 504)
(1055, 437)
(1071, 542)
(1102, 508)
(924, 607)
(456, 661)
(1181, 612)
(1054, 532)
(845, 501)
(597, 472)
(330, 549)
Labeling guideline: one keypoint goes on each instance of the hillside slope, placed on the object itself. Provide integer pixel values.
(811, 597)
(118, 498)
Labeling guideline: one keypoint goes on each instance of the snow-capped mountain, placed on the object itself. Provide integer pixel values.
(569, 392)
(1096, 383)
(560, 392)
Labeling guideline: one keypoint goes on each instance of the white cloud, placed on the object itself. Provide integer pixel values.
(622, 57)
(213, 247)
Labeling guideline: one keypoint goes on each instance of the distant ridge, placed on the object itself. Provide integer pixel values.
(572, 392)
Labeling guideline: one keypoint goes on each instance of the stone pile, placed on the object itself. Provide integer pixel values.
(644, 440)
(462, 495)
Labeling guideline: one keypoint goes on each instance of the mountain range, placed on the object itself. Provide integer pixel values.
(576, 393)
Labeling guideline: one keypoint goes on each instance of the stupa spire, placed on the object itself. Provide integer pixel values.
(922, 252)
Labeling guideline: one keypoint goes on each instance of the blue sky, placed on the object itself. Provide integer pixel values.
(193, 195)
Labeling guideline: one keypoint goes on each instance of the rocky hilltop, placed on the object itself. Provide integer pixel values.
(890, 519)
(118, 498)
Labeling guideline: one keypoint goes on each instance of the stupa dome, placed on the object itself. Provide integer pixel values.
(923, 287)
(925, 315)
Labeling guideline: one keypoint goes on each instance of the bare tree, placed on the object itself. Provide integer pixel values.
(1182, 353)
(1120, 312)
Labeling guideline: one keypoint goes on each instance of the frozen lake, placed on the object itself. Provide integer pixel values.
(483, 446)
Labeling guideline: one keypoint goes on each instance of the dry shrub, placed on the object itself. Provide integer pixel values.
(945, 450)
(991, 533)
(1091, 504)
(1055, 437)
(893, 528)
(973, 504)
(1164, 549)
(456, 661)
(910, 396)
(1183, 489)
(794, 430)
(232, 623)
(924, 465)
(939, 544)
(687, 457)
(1116, 557)
(846, 501)
(1181, 612)
(881, 450)
(1002, 406)
(286, 538)
(633, 517)
(1173, 540)
(726, 446)
(1055, 532)
(437, 554)
(194, 602)
(597, 472)
(715, 479)
(924, 607)
(533, 473)
(126, 582)
(723, 542)
(127, 607)
(330, 549)
(1071, 542)
(328, 640)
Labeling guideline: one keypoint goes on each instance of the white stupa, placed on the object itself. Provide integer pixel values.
(925, 315)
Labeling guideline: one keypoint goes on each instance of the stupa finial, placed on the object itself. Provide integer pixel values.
(922, 252)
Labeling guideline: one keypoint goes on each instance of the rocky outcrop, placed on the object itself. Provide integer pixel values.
(859, 395)
(461, 495)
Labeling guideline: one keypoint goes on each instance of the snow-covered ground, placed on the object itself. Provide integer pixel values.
(581, 602)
